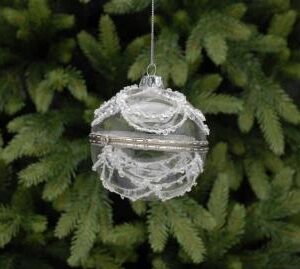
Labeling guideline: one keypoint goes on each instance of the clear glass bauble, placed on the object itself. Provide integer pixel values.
(148, 142)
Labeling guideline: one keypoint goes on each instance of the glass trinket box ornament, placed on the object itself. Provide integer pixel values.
(148, 142)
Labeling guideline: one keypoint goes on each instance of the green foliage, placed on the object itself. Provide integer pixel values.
(169, 58)
(170, 218)
(87, 219)
(105, 54)
(282, 24)
(139, 207)
(34, 27)
(159, 264)
(258, 178)
(102, 259)
(123, 6)
(218, 201)
(57, 80)
(259, 103)
(230, 221)
(36, 18)
(11, 101)
(211, 32)
(36, 135)
(203, 96)
(20, 217)
(237, 61)
(56, 169)
(186, 234)
(158, 227)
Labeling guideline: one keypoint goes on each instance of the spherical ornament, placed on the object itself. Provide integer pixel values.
(148, 142)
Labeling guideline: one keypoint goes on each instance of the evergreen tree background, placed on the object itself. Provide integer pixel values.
(236, 60)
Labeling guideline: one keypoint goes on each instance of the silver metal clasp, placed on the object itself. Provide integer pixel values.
(150, 81)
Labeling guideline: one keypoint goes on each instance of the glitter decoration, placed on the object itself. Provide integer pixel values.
(149, 142)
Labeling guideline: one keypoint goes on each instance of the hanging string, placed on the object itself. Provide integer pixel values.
(152, 34)
(151, 70)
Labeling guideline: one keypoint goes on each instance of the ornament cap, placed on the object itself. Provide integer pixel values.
(151, 81)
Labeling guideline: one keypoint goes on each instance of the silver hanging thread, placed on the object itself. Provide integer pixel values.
(152, 51)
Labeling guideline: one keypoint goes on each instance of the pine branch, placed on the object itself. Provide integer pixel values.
(216, 48)
(11, 100)
(13, 219)
(219, 156)
(35, 224)
(76, 84)
(137, 46)
(282, 24)
(272, 162)
(234, 263)
(185, 233)
(269, 123)
(139, 207)
(218, 200)
(137, 69)
(92, 50)
(263, 95)
(123, 6)
(14, 17)
(221, 240)
(212, 31)
(236, 224)
(218, 103)
(36, 135)
(246, 118)
(109, 39)
(62, 50)
(287, 205)
(84, 237)
(159, 263)
(57, 80)
(43, 97)
(179, 70)
(86, 230)
(158, 227)
(236, 10)
(207, 84)
(102, 258)
(68, 220)
(10, 224)
(292, 70)
(65, 166)
(285, 106)
(89, 213)
(194, 45)
(35, 19)
(38, 11)
(283, 181)
(63, 21)
(104, 54)
(258, 178)
(126, 235)
(198, 214)
(56, 169)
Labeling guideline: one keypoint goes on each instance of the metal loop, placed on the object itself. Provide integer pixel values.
(150, 66)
